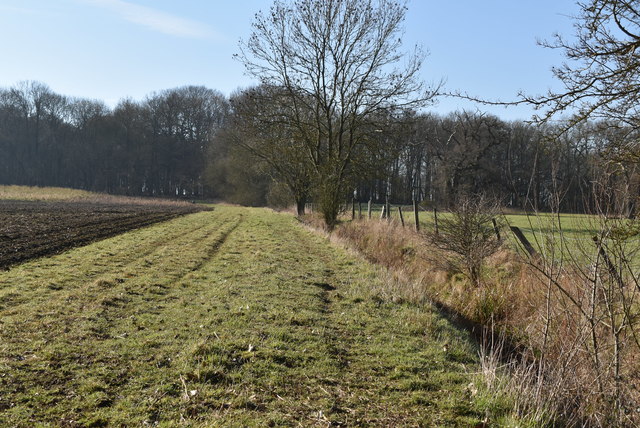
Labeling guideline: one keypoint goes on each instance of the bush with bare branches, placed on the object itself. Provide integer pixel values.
(468, 236)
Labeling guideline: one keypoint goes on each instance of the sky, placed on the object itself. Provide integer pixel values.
(114, 49)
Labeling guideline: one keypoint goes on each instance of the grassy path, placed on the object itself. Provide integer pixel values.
(235, 317)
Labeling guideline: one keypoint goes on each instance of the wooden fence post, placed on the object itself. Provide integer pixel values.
(523, 239)
(369, 209)
(401, 217)
(382, 212)
(435, 218)
(495, 228)
(415, 215)
(612, 269)
(353, 209)
(387, 210)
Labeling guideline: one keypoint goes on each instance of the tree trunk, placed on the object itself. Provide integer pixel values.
(301, 202)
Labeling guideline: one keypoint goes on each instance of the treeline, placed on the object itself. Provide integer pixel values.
(436, 159)
(152, 147)
(186, 142)
(522, 165)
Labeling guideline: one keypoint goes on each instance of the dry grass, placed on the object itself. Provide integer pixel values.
(50, 194)
(421, 274)
(557, 377)
(33, 193)
(128, 200)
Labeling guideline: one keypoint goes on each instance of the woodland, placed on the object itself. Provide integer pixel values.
(181, 143)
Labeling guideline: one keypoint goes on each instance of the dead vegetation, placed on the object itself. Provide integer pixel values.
(562, 325)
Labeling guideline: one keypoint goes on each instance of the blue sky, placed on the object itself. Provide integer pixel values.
(112, 49)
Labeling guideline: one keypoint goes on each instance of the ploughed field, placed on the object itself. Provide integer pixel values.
(30, 229)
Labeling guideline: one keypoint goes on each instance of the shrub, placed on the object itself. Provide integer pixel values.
(468, 235)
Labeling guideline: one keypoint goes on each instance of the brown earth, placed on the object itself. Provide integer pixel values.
(30, 229)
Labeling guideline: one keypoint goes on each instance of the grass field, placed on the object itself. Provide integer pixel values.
(236, 317)
(567, 232)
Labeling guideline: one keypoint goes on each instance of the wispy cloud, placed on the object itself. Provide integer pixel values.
(157, 20)
(17, 9)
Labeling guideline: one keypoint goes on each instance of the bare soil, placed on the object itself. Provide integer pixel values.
(31, 229)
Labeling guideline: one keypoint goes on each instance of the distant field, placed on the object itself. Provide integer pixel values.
(53, 194)
(232, 317)
(28, 193)
(576, 230)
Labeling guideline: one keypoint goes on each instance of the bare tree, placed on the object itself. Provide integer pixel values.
(339, 64)
(260, 126)
(601, 75)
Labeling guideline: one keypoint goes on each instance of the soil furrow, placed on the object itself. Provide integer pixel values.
(34, 229)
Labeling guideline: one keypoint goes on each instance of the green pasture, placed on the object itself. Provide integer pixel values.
(556, 235)
(234, 317)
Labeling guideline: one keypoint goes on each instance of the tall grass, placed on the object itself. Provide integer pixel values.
(570, 320)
